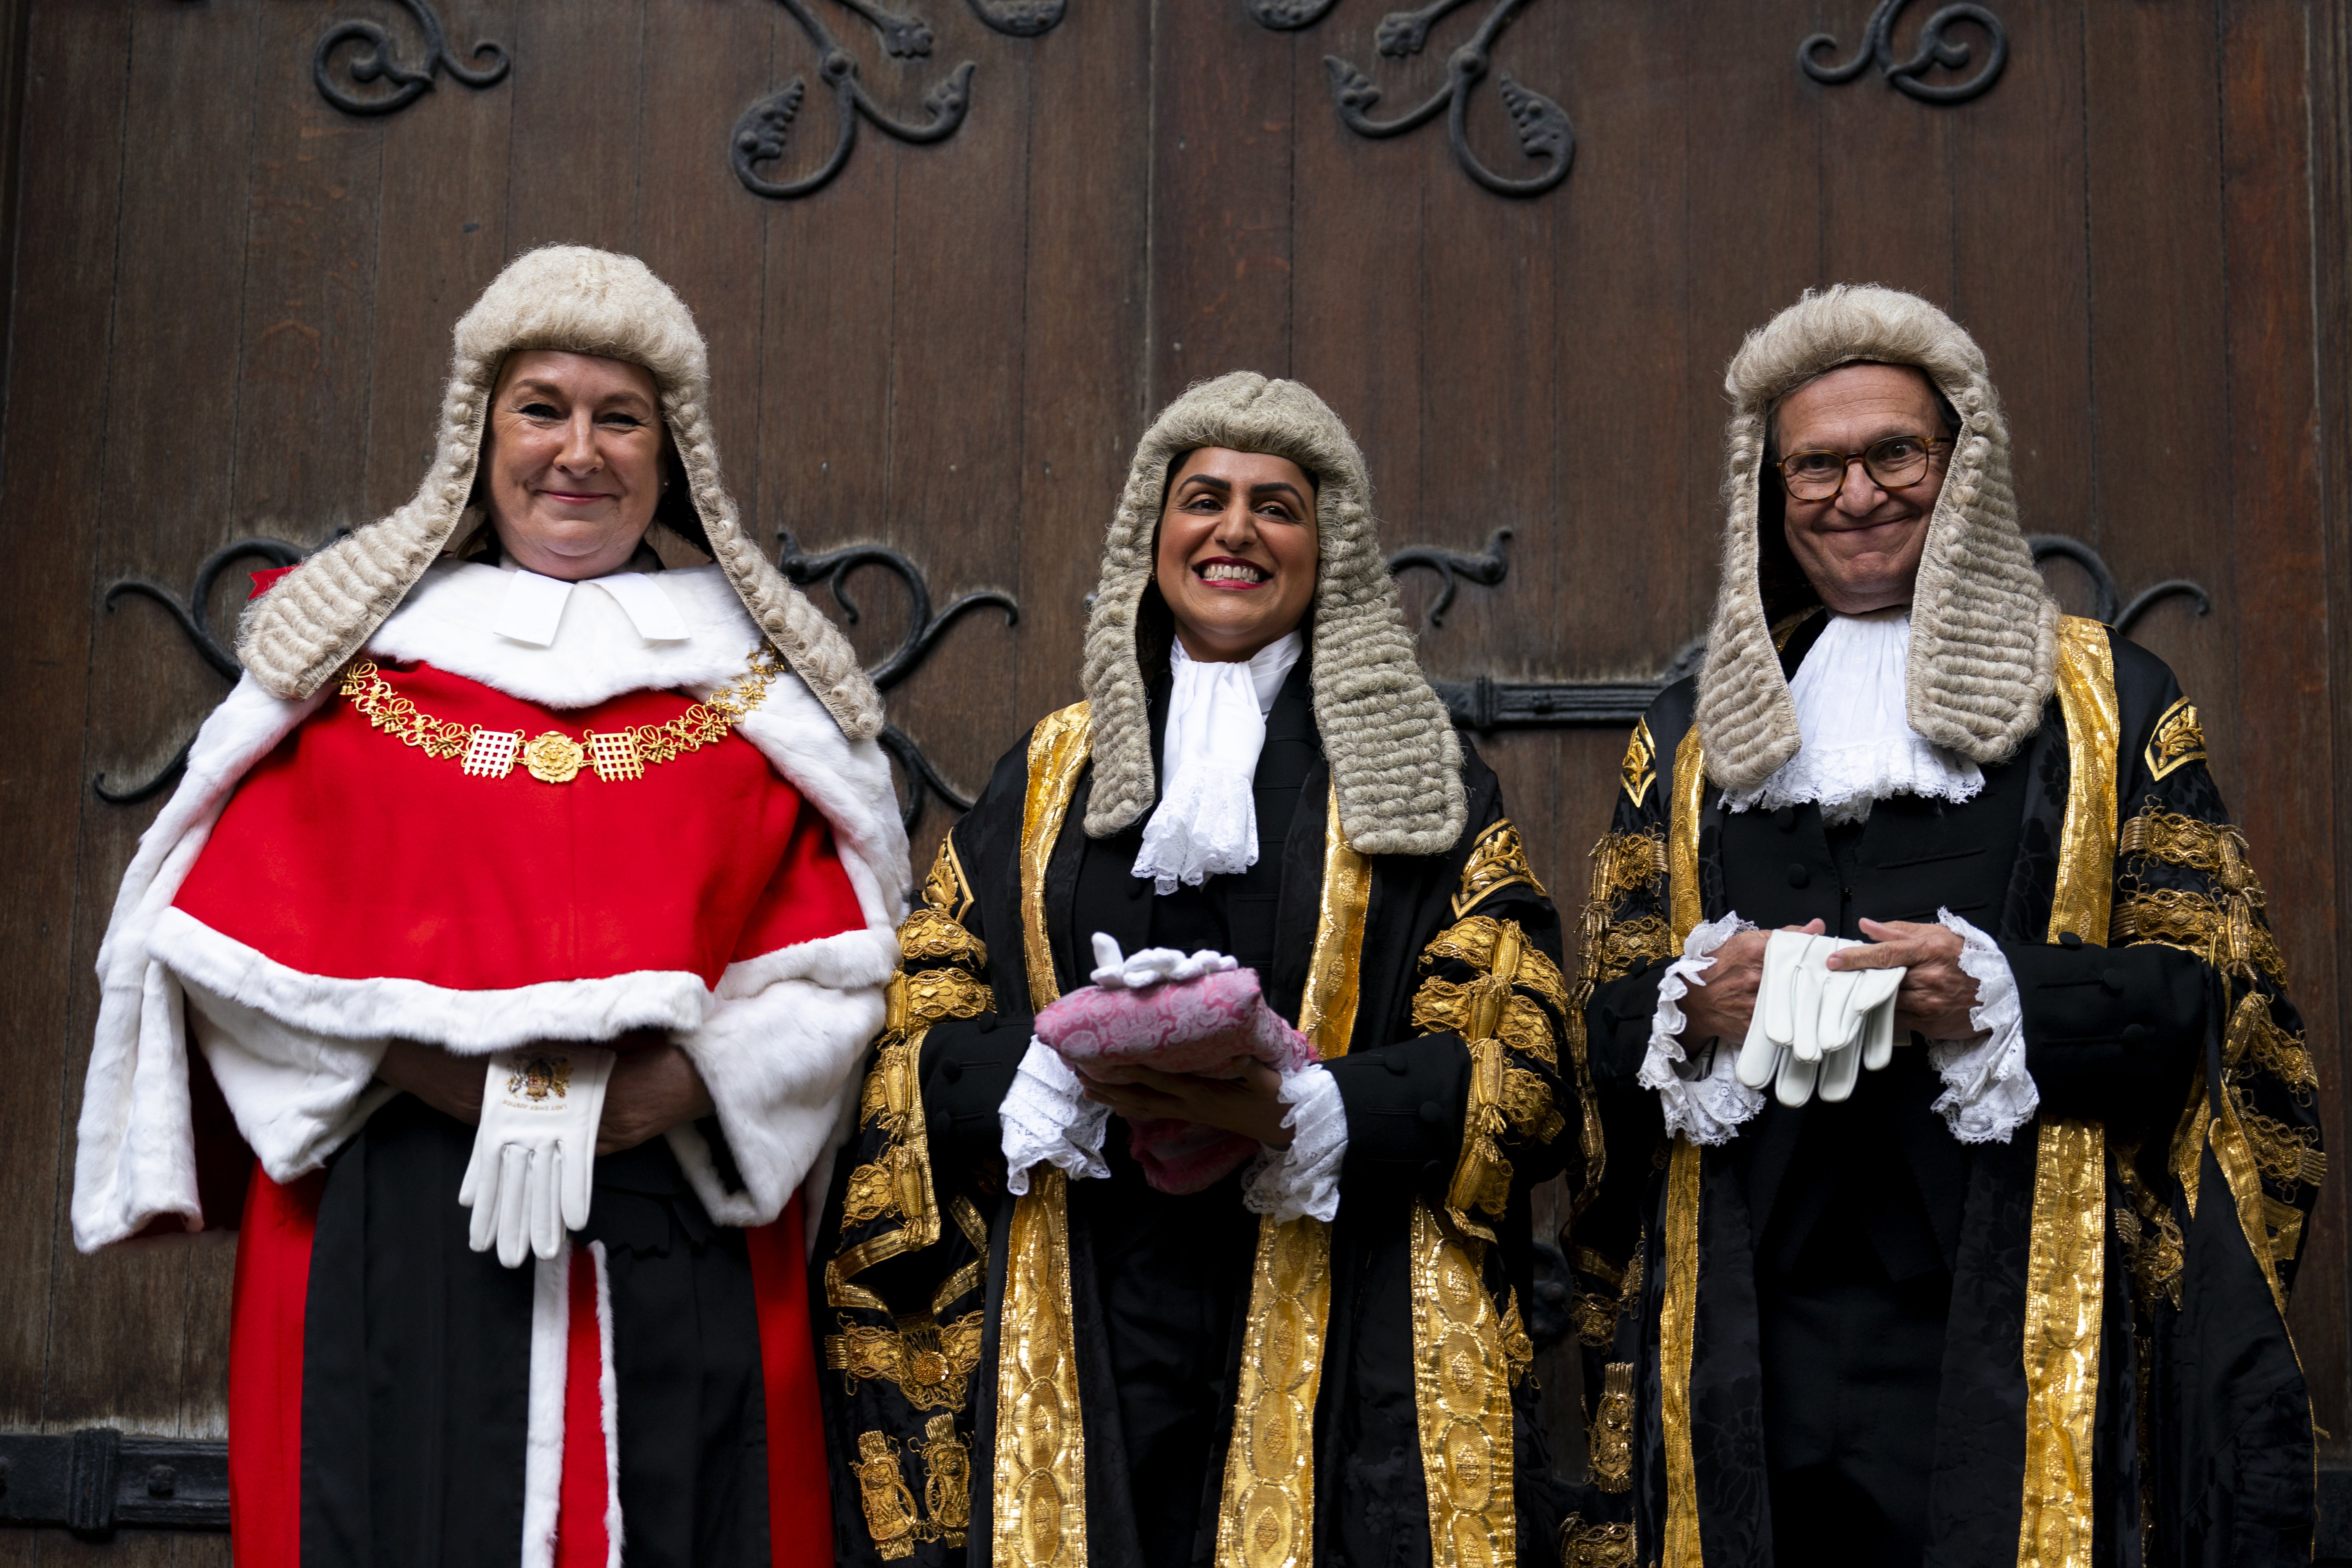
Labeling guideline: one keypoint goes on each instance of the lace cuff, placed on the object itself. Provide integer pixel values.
(1047, 1117)
(1703, 1101)
(1303, 1179)
(1988, 1094)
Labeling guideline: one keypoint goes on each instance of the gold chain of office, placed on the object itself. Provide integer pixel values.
(614, 755)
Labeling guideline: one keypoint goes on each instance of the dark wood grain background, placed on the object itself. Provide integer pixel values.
(231, 302)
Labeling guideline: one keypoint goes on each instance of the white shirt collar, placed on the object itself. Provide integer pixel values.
(1269, 668)
(533, 606)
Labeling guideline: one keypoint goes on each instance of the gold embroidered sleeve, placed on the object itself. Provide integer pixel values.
(1486, 981)
(2188, 882)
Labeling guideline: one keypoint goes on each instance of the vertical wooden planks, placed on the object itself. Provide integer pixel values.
(2286, 701)
(2021, 274)
(698, 228)
(1083, 378)
(2158, 351)
(60, 316)
(1222, 115)
(578, 118)
(958, 324)
(440, 238)
(118, 1322)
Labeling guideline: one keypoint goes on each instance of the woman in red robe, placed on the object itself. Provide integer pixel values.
(529, 906)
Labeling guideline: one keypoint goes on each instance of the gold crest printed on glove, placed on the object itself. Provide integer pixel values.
(541, 1077)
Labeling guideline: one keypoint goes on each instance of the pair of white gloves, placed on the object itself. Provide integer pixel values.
(1816, 1028)
(534, 1164)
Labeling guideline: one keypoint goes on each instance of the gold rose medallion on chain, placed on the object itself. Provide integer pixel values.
(554, 757)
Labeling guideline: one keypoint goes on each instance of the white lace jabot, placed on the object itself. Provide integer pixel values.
(1206, 823)
(1853, 713)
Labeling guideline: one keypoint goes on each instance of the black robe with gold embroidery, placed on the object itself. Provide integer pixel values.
(2066, 1348)
(1163, 1380)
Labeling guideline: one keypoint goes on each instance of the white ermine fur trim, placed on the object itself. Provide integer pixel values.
(468, 1022)
(778, 1063)
(608, 1400)
(1394, 757)
(1984, 629)
(572, 298)
(542, 1443)
(297, 1096)
(134, 1149)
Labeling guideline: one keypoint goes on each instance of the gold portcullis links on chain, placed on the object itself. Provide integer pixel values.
(615, 756)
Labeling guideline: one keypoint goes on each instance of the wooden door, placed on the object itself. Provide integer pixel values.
(237, 254)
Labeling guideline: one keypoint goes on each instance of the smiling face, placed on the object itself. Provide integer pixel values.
(571, 461)
(1237, 552)
(1860, 547)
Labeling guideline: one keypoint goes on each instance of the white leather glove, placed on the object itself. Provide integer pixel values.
(534, 1164)
(1814, 1026)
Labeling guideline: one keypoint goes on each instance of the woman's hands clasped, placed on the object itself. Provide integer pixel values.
(1246, 1102)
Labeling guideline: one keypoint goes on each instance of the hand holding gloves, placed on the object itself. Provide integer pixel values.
(1814, 1026)
(534, 1164)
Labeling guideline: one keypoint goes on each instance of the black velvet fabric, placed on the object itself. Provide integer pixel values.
(416, 1363)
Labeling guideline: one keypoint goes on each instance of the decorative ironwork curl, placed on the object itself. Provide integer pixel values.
(764, 129)
(1451, 565)
(378, 62)
(194, 623)
(1877, 48)
(1544, 132)
(2106, 599)
(924, 630)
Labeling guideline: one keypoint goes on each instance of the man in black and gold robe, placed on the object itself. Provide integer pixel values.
(2020, 1294)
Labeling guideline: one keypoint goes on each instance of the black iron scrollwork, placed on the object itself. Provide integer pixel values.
(1451, 566)
(1542, 126)
(1877, 48)
(377, 61)
(924, 630)
(1484, 703)
(2106, 599)
(765, 130)
(192, 615)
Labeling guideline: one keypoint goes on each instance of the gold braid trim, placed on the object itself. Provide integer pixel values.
(929, 1363)
(1612, 1437)
(1462, 1379)
(1494, 1021)
(2229, 933)
(1498, 859)
(2151, 1237)
(2215, 849)
(1586, 1545)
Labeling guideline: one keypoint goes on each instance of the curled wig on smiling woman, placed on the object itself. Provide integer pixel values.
(1395, 760)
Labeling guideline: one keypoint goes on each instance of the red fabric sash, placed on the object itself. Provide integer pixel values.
(264, 1370)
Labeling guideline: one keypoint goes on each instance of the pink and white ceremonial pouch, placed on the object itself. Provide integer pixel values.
(1162, 1009)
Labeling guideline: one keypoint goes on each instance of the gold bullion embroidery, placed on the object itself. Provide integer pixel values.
(1586, 1545)
(2086, 842)
(1594, 1318)
(2179, 740)
(1058, 751)
(1327, 1009)
(1611, 1438)
(1040, 1515)
(2227, 932)
(1682, 859)
(1640, 769)
(947, 1481)
(2065, 1269)
(899, 1180)
(1462, 1397)
(2216, 849)
(947, 889)
(1498, 859)
(890, 1505)
(1626, 863)
(929, 937)
(555, 757)
(1482, 1174)
(929, 1363)
(1677, 1323)
(1266, 1517)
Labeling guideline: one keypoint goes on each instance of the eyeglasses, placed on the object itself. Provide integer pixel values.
(1893, 463)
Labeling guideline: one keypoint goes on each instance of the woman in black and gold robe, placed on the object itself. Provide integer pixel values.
(1332, 1371)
